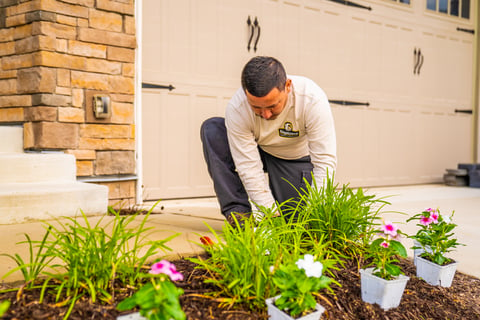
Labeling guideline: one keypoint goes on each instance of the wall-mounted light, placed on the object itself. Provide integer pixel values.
(101, 106)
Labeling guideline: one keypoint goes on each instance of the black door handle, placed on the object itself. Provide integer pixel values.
(472, 31)
(417, 60)
(469, 111)
(252, 31)
(156, 86)
(349, 103)
(257, 26)
(421, 61)
(253, 26)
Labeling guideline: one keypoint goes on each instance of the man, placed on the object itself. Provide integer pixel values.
(274, 124)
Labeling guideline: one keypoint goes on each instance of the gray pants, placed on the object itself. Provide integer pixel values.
(227, 184)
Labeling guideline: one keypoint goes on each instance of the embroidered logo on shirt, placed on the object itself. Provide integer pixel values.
(287, 131)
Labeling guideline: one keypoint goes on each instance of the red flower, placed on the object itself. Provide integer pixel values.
(206, 241)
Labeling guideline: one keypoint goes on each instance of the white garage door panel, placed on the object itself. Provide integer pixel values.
(173, 152)
(387, 147)
(349, 144)
(206, 107)
(152, 153)
(162, 153)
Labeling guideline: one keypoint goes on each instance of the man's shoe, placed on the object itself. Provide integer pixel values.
(238, 218)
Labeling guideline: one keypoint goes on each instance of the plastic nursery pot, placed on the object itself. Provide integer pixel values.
(418, 252)
(276, 314)
(435, 274)
(131, 316)
(386, 293)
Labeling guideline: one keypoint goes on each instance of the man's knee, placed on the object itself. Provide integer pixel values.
(212, 127)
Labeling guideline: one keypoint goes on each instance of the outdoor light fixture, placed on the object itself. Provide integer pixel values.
(101, 106)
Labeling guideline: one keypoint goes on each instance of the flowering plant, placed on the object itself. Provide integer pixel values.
(435, 235)
(159, 298)
(296, 282)
(384, 251)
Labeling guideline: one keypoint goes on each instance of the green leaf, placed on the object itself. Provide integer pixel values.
(392, 269)
(127, 304)
(376, 242)
(399, 248)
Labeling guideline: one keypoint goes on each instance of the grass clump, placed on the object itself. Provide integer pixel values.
(76, 259)
(341, 216)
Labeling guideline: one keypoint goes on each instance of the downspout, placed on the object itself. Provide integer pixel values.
(138, 102)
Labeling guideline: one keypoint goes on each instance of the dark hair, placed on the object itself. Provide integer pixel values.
(261, 74)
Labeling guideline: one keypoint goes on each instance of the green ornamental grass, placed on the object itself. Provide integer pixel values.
(239, 263)
(76, 259)
(37, 262)
(343, 216)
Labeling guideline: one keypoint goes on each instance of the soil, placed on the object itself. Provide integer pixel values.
(420, 300)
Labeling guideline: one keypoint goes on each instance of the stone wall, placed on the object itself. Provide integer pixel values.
(54, 55)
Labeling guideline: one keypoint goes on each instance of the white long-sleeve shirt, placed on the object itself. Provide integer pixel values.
(304, 127)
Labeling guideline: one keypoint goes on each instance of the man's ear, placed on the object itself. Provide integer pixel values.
(288, 85)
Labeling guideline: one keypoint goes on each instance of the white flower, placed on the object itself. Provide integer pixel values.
(312, 268)
(272, 269)
(447, 219)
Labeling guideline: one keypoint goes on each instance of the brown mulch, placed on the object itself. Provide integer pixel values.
(420, 300)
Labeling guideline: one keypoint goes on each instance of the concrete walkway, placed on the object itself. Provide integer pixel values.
(189, 218)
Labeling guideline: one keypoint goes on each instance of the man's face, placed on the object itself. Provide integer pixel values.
(271, 105)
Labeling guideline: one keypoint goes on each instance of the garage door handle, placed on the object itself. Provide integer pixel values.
(472, 31)
(156, 86)
(257, 26)
(418, 60)
(469, 111)
(252, 31)
(349, 103)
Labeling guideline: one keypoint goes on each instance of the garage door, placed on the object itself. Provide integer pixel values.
(395, 83)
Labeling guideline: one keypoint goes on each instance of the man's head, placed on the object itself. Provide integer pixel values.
(266, 85)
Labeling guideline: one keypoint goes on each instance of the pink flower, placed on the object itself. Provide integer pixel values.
(385, 244)
(434, 215)
(426, 220)
(389, 229)
(429, 210)
(167, 268)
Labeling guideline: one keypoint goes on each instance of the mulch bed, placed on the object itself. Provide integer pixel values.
(420, 300)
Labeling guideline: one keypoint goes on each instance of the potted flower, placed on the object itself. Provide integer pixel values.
(297, 282)
(433, 240)
(384, 283)
(159, 298)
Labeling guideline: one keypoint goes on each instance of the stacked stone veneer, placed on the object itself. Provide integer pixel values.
(53, 56)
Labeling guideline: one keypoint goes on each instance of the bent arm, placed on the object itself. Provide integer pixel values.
(246, 157)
